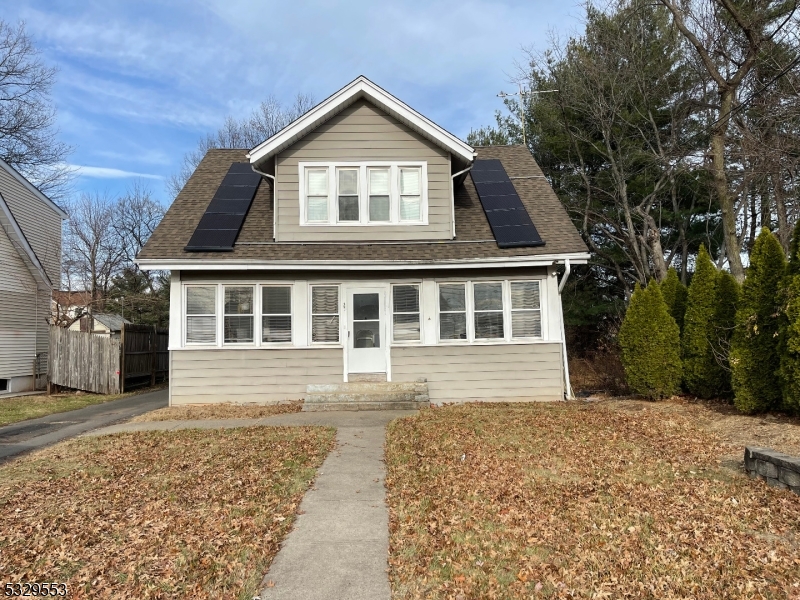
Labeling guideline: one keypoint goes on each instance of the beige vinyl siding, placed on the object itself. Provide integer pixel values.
(363, 132)
(39, 223)
(492, 372)
(250, 375)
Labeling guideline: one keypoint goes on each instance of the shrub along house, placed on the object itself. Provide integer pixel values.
(365, 243)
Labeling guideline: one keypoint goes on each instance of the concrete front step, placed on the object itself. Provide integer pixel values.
(364, 395)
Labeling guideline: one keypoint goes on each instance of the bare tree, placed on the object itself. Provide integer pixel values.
(264, 122)
(729, 37)
(28, 135)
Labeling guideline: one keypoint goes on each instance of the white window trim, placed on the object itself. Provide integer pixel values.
(470, 311)
(510, 310)
(310, 316)
(363, 193)
(503, 310)
(418, 342)
(253, 315)
(467, 312)
(261, 315)
(186, 315)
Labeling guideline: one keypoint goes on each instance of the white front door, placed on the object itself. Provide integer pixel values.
(366, 330)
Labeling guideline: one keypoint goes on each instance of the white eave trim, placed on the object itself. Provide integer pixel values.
(360, 88)
(33, 189)
(18, 239)
(578, 258)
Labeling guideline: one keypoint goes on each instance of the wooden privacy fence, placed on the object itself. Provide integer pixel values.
(101, 364)
(84, 361)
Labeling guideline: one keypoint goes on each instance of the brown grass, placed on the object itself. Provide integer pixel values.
(579, 500)
(180, 514)
(218, 411)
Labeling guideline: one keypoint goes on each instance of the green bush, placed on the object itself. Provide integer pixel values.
(702, 374)
(754, 357)
(790, 334)
(723, 323)
(675, 295)
(650, 343)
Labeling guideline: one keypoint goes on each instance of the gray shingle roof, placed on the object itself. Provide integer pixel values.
(474, 238)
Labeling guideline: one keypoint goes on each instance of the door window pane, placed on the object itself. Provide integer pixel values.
(379, 200)
(410, 194)
(238, 323)
(201, 314)
(488, 300)
(452, 312)
(348, 194)
(405, 313)
(366, 321)
(317, 194)
(325, 313)
(276, 314)
(526, 311)
(366, 307)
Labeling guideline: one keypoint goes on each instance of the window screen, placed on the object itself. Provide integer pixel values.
(317, 195)
(348, 194)
(488, 301)
(201, 314)
(238, 322)
(526, 310)
(325, 313)
(276, 314)
(452, 312)
(410, 194)
(379, 195)
(405, 313)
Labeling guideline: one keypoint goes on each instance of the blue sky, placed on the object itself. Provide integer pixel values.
(140, 81)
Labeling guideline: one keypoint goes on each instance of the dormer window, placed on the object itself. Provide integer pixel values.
(363, 193)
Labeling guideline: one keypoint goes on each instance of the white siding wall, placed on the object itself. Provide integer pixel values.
(253, 375)
(483, 373)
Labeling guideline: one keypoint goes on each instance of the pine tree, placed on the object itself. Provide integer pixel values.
(790, 334)
(702, 374)
(650, 343)
(723, 323)
(675, 295)
(755, 359)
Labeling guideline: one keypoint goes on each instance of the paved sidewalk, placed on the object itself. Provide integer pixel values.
(339, 547)
(33, 434)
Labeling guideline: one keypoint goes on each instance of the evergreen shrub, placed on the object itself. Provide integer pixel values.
(790, 334)
(675, 295)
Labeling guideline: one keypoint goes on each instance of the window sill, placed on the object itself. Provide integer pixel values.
(355, 224)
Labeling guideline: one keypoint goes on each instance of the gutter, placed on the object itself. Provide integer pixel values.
(567, 385)
(453, 197)
(274, 194)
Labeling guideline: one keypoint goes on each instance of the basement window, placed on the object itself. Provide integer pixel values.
(3, 385)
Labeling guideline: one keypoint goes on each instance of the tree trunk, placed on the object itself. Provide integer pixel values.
(727, 203)
(784, 231)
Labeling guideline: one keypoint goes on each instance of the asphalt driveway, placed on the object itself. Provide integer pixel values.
(37, 433)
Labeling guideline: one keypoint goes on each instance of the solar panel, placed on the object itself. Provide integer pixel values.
(220, 225)
(510, 222)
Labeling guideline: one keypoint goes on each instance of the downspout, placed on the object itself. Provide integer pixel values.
(274, 194)
(453, 198)
(567, 384)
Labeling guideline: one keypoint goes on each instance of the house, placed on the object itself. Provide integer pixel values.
(363, 242)
(69, 306)
(30, 266)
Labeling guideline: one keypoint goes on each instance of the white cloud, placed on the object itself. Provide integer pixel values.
(109, 173)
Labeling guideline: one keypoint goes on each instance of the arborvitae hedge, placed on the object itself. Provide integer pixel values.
(755, 360)
(723, 323)
(675, 295)
(702, 374)
(650, 343)
(790, 336)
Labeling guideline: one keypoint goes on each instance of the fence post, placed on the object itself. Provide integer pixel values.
(153, 356)
(122, 360)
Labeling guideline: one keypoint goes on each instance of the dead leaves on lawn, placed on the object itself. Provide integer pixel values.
(182, 514)
(219, 411)
(579, 501)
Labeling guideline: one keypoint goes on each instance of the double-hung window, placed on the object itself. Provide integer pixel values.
(238, 322)
(526, 309)
(201, 314)
(325, 313)
(405, 313)
(276, 314)
(488, 310)
(364, 193)
(452, 311)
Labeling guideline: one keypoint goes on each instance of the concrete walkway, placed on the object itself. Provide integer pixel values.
(339, 547)
(38, 433)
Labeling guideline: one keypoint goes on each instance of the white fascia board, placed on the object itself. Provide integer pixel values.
(360, 265)
(14, 232)
(33, 189)
(360, 87)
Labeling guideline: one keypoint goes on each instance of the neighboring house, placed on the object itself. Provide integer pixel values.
(68, 307)
(377, 246)
(30, 266)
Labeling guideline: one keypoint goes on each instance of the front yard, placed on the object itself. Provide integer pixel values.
(180, 514)
(603, 500)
